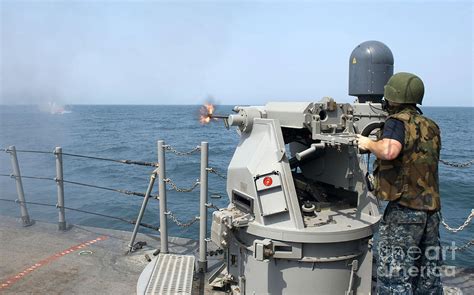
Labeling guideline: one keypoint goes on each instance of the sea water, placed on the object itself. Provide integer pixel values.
(131, 132)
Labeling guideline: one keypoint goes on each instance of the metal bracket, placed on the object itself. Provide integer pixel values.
(355, 266)
(262, 249)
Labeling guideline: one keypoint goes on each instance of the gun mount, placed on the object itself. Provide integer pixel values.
(301, 215)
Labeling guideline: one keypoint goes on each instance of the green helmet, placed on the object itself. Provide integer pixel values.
(404, 88)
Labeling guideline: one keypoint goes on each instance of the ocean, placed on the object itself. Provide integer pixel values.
(131, 132)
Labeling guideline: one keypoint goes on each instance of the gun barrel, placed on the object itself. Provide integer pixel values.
(219, 116)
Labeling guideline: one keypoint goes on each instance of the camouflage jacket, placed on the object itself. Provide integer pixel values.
(412, 178)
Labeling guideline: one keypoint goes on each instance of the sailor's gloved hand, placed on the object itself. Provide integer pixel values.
(364, 142)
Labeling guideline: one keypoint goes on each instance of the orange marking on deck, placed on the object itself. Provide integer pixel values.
(14, 278)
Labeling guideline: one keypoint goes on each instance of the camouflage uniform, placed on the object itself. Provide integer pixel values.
(409, 252)
(412, 178)
(409, 244)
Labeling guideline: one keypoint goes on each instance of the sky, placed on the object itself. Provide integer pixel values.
(183, 52)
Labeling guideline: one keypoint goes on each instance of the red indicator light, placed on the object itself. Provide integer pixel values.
(267, 181)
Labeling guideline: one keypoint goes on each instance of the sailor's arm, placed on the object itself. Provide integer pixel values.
(384, 149)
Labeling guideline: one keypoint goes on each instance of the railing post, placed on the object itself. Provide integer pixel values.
(25, 218)
(202, 261)
(162, 194)
(58, 152)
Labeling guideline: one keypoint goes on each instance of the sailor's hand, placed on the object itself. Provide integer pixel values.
(363, 142)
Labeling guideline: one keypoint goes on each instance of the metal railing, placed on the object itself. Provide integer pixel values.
(159, 172)
(25, 217)
(59, 179)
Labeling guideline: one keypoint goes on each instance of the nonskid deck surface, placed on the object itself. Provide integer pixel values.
(82, 260)
(85, 260)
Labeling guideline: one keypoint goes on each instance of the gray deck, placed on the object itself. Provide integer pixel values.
(106, 269)
(42, 260)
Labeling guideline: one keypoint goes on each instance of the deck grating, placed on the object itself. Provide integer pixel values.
(172, 274)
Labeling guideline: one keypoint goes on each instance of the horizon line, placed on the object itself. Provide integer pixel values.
(131, 104)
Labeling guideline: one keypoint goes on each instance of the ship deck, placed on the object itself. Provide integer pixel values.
(39, 259)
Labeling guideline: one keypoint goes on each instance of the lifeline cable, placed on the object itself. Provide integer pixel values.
(27, 151)
(130, 162)
(156, 228)
(125, 192)
(29, 177)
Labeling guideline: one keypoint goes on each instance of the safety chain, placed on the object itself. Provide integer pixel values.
(212, 170)
(181, 190)
(466, 223)
(181, 223)
(173, 150)
(462, 248)
(210, 205)
(456, 164)
(216, 252)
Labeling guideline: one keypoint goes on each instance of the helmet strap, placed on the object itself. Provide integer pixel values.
(418, 109)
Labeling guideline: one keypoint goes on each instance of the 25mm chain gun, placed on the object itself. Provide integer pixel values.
(300, 213)
(301, 216)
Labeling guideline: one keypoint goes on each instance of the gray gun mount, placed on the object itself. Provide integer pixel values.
(301, 216)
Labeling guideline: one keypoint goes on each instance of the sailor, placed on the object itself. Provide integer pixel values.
(406, 175)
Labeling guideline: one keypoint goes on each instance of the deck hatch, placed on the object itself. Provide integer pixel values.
(172, 274)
